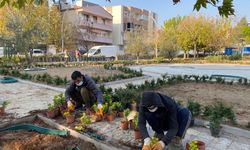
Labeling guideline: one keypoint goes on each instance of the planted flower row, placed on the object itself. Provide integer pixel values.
(56, 80)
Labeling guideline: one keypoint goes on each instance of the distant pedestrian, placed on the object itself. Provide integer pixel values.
(78, 54)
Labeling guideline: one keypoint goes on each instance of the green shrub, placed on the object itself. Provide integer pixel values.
(235, 57)
(221, 111)
(58, 80)
(194, 107)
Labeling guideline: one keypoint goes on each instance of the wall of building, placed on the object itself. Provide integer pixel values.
(117, 34)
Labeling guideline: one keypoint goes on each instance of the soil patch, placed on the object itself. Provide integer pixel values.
(237, 96)
(24, 140)
(89, 70)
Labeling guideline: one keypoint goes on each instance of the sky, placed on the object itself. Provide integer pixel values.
(166, 10)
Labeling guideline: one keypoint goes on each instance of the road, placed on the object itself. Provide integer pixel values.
(194, 69)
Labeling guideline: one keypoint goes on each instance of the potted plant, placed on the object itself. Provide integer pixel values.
(124, 121)
(59, 101)
(195, 145)
(51, 111)
(105, 110)
(97, 116)
(110, 114)
(120, 109)
(3, 107)
(137, 133)
(69, 117)
(195, 109)
(215, 127)
(85, 120)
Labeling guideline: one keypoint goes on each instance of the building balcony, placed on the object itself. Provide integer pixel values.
(98, 39)
(106, 27)
(106, 40)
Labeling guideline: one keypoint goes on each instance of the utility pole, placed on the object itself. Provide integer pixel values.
(62, 32)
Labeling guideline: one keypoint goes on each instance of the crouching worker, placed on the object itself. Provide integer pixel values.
(83, 91)
(163, 114)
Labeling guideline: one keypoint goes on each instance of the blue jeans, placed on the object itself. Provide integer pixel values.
(159, 125)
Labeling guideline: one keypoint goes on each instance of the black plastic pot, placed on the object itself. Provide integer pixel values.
(215, 131)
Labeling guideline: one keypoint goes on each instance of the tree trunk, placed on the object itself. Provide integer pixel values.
(185, 55)
(137, 59)
(194, 51)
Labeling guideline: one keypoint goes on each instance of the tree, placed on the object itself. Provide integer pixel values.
(220, 34)
(137, 44)
(193, 33)
(239, 32)
(168, 38)
(168, 44)
(225, 9)
(26, 28)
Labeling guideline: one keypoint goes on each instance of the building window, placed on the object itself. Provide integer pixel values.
(103, 21)
(94, 19)
(85, 17)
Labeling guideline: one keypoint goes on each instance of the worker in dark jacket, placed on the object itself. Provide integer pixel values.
(163, 114)
(83, 90)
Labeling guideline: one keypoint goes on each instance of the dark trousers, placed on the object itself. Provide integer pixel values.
(83, 96)
(160, 125)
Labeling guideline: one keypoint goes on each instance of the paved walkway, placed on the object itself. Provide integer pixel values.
(194, 69)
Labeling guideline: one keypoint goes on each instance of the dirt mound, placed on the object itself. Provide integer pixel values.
(24, 140)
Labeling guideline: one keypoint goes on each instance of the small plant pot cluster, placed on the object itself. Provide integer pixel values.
(58, 107)
(3, 106)
(195, 145)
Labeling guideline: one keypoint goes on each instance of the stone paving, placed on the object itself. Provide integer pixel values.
(225, 142)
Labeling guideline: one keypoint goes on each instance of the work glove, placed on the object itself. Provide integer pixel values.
(159, 146)
(99, 106)
(146, 145)
(69, 104)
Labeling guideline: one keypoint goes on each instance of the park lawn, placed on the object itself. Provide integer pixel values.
(238, 96)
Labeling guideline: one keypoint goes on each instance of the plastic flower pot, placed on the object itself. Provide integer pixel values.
(137, 134)
(124, 124)
(2, 110)
(120, 114)
(110, 117)
(51, 113)
(200, 145)
(70, 119)
(98, 117)
(215, 131)
(57, 111)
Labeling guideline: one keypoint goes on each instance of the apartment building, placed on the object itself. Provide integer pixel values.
(88, 16)
(128, 19)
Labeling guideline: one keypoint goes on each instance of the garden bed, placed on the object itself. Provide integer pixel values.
(29, 140)
(90, 70)
(207, 94)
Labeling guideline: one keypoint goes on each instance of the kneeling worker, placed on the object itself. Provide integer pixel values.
(163, 114)
(83, 90)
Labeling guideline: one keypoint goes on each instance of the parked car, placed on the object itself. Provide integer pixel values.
(38, 52)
